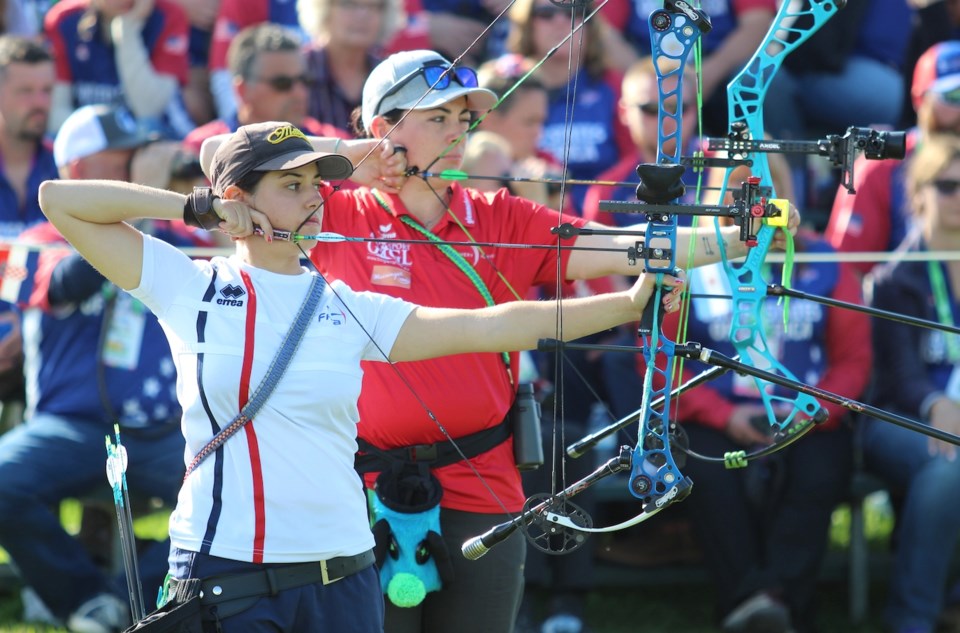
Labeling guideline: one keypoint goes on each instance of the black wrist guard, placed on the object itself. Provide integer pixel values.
(198, 209)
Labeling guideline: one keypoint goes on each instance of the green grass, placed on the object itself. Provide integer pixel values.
(150, 526)
(684, 608)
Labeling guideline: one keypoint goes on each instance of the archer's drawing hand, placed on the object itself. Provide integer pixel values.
(385, 168)
(238, 219)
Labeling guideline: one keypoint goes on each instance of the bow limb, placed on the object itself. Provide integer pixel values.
(676, 493)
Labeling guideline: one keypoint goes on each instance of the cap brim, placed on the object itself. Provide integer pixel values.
(945, 84)
(332, 166)
(132, 141)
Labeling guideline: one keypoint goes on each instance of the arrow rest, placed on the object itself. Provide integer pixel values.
(544, 534)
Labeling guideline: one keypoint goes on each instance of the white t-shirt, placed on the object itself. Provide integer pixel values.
(283, 488)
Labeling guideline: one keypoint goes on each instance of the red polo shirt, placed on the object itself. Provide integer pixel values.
(467, 392)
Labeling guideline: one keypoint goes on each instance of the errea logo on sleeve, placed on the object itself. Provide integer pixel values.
(230, 295)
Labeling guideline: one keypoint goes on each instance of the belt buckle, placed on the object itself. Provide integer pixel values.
(325, 575)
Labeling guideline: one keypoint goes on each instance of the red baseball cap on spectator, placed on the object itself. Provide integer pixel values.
(937, 70)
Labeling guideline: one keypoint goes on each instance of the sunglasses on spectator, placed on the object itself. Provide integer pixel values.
(285, 83)
(438, 77)
(946, 186)
(358, 6)
(652, 108)
(546, 12)
(950, 97)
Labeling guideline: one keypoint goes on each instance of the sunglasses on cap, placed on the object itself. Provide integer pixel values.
(437, 76)
(285, 83)
(946, 186)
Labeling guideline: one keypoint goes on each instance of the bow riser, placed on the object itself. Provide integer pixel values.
(746, 94)
(655, 477)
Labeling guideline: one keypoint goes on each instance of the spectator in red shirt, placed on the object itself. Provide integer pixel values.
(878, 217)
(121, 54)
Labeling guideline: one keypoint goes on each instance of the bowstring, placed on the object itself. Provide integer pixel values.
(683, 319)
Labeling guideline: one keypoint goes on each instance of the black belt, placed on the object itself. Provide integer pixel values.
(437, 455)
(273, 580)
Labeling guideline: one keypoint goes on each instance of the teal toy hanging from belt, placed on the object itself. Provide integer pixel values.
(405, 515)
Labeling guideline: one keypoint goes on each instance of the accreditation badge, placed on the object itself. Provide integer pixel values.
(124, 336)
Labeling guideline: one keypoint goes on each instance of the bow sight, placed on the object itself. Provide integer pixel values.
(750, 202)
(840, 150)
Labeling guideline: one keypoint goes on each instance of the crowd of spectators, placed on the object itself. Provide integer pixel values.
(130, 89)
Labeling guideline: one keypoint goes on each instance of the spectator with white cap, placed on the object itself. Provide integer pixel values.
(878, 217)
(94, 357)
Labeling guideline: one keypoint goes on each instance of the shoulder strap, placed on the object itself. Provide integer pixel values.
(460, 262)
(274, 373)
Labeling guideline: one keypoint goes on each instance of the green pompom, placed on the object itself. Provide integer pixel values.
(406, 590)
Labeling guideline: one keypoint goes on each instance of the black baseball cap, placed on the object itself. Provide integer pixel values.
(270, 146)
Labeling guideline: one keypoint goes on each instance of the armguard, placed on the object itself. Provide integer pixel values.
(198, 209)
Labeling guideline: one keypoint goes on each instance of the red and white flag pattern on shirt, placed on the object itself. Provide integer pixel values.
(18, 265)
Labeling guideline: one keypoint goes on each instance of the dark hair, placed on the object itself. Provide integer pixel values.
(250, 180)
(23, 50)
(254, 40)
(356, 120)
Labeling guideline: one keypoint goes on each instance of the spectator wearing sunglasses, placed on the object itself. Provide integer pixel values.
(270, 83)
(638, 110)
(878, 217)
(232, 18)
(345, 36)
(122, 54)
(918, 375)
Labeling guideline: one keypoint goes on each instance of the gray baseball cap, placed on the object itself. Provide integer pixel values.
(400, 83)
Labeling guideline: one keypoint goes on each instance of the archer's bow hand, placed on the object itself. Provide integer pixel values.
(644, 288)
(793, 223)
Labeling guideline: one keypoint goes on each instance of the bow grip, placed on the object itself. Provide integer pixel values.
(647, 319)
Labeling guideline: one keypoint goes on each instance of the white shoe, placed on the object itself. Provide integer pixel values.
(758, 614)
(105, 613)
(562, 623)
